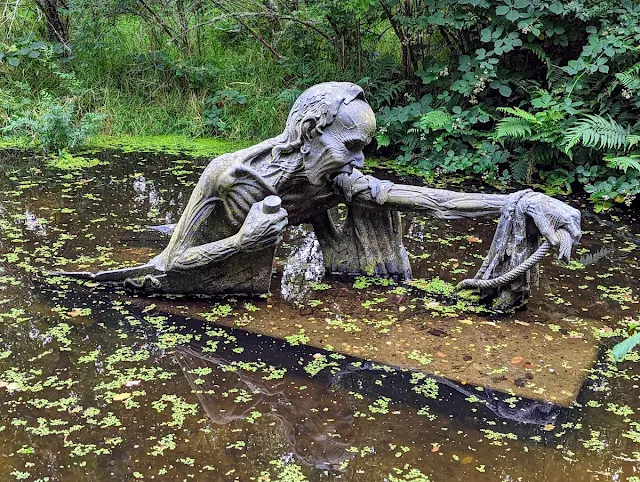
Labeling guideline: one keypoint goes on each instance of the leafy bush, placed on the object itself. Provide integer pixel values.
(215, 108)
(533, 91)
(517, 89)
(54, 126)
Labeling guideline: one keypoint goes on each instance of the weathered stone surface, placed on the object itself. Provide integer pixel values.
(225, 239)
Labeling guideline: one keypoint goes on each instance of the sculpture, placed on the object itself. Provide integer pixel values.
(225, 239)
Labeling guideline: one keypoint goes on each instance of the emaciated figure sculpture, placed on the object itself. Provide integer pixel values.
(225, 239)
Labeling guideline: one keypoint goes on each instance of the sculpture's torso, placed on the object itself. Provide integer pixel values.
(227, 189)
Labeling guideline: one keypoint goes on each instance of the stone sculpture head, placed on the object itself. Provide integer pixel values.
(329, 124)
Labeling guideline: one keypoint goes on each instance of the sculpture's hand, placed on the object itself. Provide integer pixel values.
(361, 187)
(551, 216)
(261, 230)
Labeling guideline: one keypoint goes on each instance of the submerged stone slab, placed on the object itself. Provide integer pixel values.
(513, 356)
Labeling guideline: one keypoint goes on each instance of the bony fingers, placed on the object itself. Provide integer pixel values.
(566, 241)
(575, 231)
(550, 235)
(375, 190)
(280, 215)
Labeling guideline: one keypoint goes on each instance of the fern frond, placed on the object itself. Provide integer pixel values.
(592, 258)
(544, 154)
(624, 162)
(518, 112)
(629, 80)
(521, 168)
(632, 140)
(513, 127)
(436, 119)
(596, 131)
(556, 76)
(541, 55)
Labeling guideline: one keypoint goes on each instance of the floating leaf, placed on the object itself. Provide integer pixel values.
(621, 349)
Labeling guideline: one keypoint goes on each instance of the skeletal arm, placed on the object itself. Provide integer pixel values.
(444, 204)
(439, 203)
(549, 215)
(259, 230)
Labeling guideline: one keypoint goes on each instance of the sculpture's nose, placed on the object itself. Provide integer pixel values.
(358, 161)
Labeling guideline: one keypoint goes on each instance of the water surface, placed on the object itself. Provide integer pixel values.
(102, 387)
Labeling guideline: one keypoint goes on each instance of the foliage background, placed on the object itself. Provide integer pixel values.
(538, 92)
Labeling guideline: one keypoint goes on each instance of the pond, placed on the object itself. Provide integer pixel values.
(362, 380)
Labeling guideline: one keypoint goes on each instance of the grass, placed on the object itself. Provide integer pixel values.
(168, 144)
(141, 100)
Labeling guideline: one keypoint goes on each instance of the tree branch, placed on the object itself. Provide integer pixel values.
(250, 30)
(263, 14)
(158, 20)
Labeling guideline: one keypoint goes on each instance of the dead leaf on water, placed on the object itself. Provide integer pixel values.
(516, 359)
(467, 460)
(549, 427)
(121, 396)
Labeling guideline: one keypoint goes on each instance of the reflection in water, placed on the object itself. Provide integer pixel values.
(318, 437)
(362, 377)
(32, 223)
(522, 410)
(304, 267)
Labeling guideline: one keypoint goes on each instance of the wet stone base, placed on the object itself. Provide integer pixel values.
(516, 357)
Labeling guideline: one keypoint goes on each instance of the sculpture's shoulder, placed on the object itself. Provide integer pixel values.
(228, 171)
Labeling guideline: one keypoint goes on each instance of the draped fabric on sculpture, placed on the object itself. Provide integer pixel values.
(367, 241)
(516, 238)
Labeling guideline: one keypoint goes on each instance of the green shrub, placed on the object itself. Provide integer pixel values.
(517, 90)
(54, 126)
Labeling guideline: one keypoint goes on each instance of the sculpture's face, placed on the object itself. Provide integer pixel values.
(338, 149)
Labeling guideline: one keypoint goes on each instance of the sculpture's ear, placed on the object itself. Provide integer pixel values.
(308, 132)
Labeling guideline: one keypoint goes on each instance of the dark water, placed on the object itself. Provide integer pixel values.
(97, 387)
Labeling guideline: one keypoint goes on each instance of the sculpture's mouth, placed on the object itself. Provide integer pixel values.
(346, 169)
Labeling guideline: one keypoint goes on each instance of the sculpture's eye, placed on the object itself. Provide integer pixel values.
(354, 145)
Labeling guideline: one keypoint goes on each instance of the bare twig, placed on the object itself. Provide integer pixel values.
(249, 29)
(158, 19)
(262, 14)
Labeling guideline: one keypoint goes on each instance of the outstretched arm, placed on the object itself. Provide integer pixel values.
(439, 203)
(444, 204)
(548, 213)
